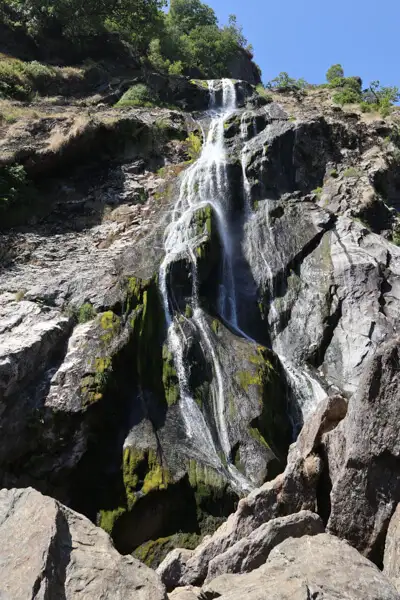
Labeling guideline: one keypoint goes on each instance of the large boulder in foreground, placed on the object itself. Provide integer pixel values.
(50, 552)
(251, 552)
(308, 567)
(364, 457)
(391, 561)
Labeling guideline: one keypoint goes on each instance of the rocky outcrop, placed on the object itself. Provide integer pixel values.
(251, 552)
(49, 551)
(320, 566)
(259, 515)
(364, 452)
(391, 560)
(90, 400)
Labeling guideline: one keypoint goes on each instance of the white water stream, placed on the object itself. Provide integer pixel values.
(205, 183)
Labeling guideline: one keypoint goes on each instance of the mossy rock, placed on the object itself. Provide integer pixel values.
(272, 429)
(153, 552)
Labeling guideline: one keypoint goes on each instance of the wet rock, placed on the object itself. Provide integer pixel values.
(251, 552)
(320, 566)
(364, 450)
(391, 560)
(49, 550)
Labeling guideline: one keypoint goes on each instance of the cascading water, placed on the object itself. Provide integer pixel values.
(205, 183)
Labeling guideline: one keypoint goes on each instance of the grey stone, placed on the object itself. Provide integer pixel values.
(185, 593)
(321, 566)
(251, 552)
(170, 570)
(49, 551)
(391, 560)
(366, 473)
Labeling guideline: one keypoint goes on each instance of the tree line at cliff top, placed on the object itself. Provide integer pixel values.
(186, 39)
(348, 90)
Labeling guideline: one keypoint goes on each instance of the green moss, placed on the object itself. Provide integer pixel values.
(200, 82)
(142, 474)
(272, 428)
(111, 324)
(170, 378)
(188, 311)
(86, 313)
(152, 553)
(108, 518)
(352, 172)
(318, 191)
(215, 326)
(256, 434)
(194, 143)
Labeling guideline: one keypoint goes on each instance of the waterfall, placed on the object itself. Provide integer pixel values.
(205, 184)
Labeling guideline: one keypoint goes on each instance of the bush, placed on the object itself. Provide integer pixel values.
(14, 185)
(194, 145)
(346, 96)
(86, 313)
(176, 68)
(137, 95)
(334, 72)
(283, 81)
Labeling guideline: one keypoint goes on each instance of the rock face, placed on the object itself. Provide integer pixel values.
(91, 403)
(49, 551)
(391, 561)
(365, 446)
(308, 567)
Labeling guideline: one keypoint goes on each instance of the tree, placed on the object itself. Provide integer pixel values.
(334, 72)
(190, 14)
(134, 19)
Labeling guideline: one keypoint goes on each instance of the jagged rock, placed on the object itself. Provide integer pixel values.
(293, 491)
(391, 559)
(171, 568)
(365, 452)
(186, 593)
(251, 552)
(308, 567)
(50, 551)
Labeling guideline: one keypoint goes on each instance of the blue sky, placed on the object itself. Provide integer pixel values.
(305, 37)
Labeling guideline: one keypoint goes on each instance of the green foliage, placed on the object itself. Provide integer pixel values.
(283, 81)
(86, 313)
(137, 95)
(13, 186)
(190, 35)
(135, 20)
(189, 14)
(379, 98)
(334, 72)
(194, 144)
(351, 172)
(262, 91)
(186, 39)
(346, 96)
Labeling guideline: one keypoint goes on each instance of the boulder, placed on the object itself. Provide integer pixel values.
(363, 456)
(321, 566)
(50, 551)
(171, 568)
(251, 552)
(186, 593)
(391, 560)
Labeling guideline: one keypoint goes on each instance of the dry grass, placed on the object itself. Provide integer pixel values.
(61, 138)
